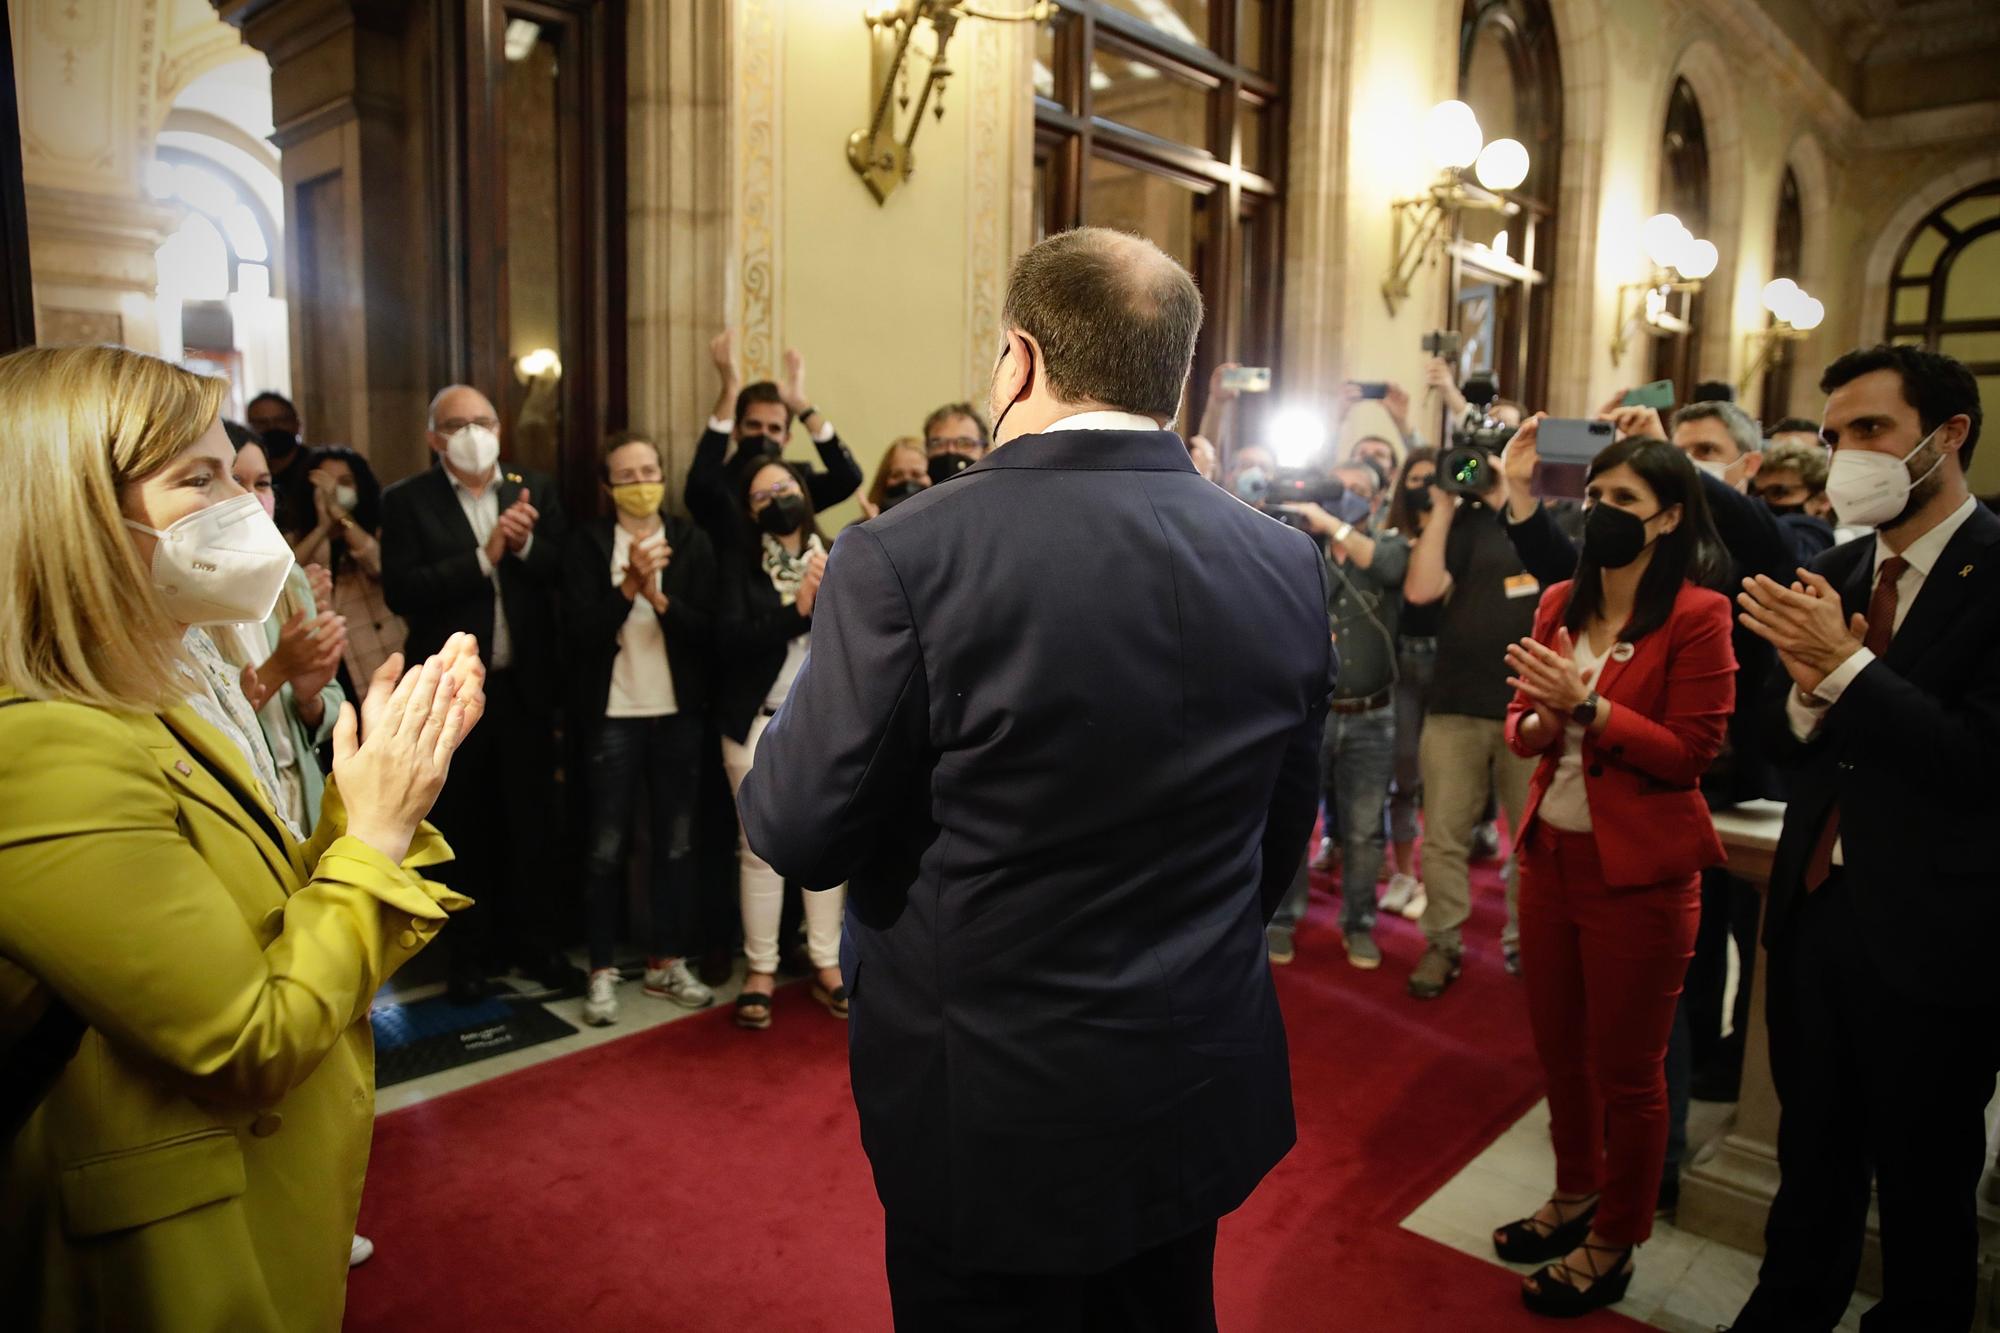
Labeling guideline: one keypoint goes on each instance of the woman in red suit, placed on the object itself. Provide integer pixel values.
(1624, 692)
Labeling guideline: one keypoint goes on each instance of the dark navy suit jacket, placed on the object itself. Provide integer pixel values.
(1058, 731)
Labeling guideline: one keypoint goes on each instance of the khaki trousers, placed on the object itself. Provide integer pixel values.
(1463, 760)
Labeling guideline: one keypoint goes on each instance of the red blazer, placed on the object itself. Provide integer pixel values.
(1671, 695)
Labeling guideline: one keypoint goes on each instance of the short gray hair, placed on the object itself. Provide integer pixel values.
(1116, 318)
(1742, 429)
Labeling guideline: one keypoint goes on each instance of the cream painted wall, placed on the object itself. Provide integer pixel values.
(876, 296)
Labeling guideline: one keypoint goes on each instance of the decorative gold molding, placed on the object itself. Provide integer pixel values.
(989, 185)
(759, 201)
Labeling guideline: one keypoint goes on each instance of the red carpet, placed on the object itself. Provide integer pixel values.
(698, 1177)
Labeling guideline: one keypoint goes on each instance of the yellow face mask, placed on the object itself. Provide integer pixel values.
(637, 499)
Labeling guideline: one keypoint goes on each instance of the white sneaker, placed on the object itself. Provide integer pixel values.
(600, 1006)
(1401, 889)
(360, 1252)
(1414, 909)
(674, 982)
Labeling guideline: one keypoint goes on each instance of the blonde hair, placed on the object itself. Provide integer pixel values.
(79, 620)
(879, 490)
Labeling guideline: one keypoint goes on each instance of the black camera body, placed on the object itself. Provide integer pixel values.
(1468, 467)
(1293, 487)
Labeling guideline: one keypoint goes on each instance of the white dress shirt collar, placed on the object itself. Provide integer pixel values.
(1102, 421)
(1924, 552)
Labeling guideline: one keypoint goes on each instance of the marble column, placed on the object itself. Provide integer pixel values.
(681, 205)
(1317, 268)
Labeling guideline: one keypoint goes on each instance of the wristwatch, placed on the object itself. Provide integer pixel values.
(1585, 713)
(1343, 532)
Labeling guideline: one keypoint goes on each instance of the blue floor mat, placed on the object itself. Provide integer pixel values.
(412, 1040)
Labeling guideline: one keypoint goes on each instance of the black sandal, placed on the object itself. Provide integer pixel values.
(1533, 1241)
(1547, 1294)
(753, 1010)
(834, 1001)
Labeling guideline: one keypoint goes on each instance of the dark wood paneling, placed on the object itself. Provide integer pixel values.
(17, 284)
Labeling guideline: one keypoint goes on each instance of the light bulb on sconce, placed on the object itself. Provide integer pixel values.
(1698, 259)
(1665, 239)
(542, 361)
(1502, 165)
(1680, 261)
(1794, 314)
(1451, 132)
(1452, 138)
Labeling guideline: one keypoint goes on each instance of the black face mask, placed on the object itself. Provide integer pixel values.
(1612, 537)
(944, 467)
(279, 443)
(1782, 510)
(900, 492)
(1418, 498)
(783, 516)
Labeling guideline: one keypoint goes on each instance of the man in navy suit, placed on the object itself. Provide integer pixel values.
(1885, 896)
(1059, 733)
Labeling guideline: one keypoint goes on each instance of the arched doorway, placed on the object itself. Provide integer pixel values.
(1787, 261)
(1683, 191)
(221, 294)
(1944, 294)
(1503, 266)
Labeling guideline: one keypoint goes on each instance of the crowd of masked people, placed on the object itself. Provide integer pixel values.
(642, 653)
(1719, 613)
(1803, 613)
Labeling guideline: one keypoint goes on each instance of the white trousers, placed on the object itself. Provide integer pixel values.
(762, 890)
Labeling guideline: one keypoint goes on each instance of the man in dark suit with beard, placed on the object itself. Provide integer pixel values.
(1885, 891)
(1059, 732)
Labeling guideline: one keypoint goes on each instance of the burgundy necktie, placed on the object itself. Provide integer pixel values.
(1881, 624)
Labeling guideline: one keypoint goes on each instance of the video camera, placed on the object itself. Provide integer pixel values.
(1467, 467)
(1289, 486)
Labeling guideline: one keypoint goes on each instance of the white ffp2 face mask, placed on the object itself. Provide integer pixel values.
(473, 450)
(1869, 489)
(221, 565)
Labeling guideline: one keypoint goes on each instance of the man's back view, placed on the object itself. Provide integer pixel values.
(1059, 732)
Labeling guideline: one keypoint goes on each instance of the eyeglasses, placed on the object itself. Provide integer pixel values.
(457, 424)
(949, 442)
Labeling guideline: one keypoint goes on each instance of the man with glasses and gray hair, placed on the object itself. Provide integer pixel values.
(1059, 730)
(475, 545)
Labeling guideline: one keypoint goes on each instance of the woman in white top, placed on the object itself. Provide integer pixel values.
(638, 605)
(1624, 694)
(769, 593)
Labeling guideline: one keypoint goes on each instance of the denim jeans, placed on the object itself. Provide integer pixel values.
(1416, 663)
(1355, 758)
(662, 754)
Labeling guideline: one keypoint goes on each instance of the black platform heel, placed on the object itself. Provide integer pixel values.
(1526, 1242)
(1550, 1295)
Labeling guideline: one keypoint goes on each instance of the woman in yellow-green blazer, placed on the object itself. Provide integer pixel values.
(196, 1162)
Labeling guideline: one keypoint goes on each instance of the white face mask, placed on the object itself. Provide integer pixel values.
(473, 450)
(1720, 471)
(221, 565)
(1869, 489)
(346, 497)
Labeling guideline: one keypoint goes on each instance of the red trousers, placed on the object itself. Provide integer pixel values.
(1603, 969)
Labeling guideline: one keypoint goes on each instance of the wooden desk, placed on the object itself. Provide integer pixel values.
(1727, 1194)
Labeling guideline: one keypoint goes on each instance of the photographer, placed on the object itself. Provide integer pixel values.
(1364, 590)
(1464, 560)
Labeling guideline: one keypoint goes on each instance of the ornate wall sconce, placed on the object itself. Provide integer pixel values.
(1794, 315)
(1680, 262)
(881, 154)
(1453, 137)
